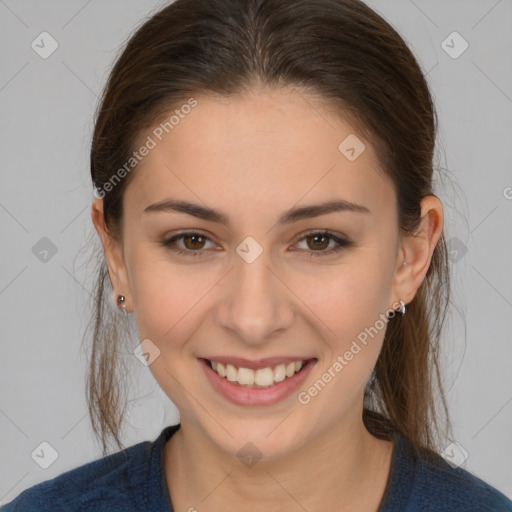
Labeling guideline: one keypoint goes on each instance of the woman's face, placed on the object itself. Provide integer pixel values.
(261, 285)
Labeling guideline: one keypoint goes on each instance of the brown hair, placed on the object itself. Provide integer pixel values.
(338, 50)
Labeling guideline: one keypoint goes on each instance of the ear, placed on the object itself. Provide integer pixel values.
(113, 255)
(416, 250)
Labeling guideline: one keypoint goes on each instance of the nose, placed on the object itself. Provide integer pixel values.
(256, 303)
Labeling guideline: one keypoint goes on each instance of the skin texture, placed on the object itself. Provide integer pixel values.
(253, 157)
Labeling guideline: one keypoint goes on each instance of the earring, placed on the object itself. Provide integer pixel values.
(401, 309)
(121, 303)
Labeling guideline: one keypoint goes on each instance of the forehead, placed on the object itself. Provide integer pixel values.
(265, 148)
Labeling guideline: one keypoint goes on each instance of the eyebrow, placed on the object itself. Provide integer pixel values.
(289, 216)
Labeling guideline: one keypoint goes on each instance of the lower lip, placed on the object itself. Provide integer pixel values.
(241, 395)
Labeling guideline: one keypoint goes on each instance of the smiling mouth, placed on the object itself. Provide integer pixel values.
(260, 378)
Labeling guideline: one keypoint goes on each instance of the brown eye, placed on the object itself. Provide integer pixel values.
(193, 241)
(318, 241)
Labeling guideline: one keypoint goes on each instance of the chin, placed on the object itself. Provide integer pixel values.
(263, 441)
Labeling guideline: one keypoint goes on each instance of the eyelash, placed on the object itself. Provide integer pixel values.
(342, 243)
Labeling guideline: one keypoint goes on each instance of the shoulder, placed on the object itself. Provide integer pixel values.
(112, 481)
(436, 485)
(443, 487)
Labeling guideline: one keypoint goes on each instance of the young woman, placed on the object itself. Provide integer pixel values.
(264, 197)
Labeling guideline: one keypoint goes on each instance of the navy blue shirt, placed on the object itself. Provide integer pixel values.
(133, 479)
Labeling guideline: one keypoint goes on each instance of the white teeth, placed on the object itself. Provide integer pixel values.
(221, 369)
(246, 376)
(263, 377)
(280, 373)
(231, 373)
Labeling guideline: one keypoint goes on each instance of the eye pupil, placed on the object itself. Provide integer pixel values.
(195, 237)
(316, 238)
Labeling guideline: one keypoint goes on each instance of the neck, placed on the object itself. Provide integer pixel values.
(344, 469)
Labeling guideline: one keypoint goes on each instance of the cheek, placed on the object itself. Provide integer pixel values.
(166, 297)
(345, 299)
(349, 305)
(167, 309)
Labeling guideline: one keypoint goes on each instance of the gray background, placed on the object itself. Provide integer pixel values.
(46, 109)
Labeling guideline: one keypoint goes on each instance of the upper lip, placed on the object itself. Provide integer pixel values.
(241, 362)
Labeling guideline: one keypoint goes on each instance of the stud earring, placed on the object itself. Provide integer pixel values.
(121, 303)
